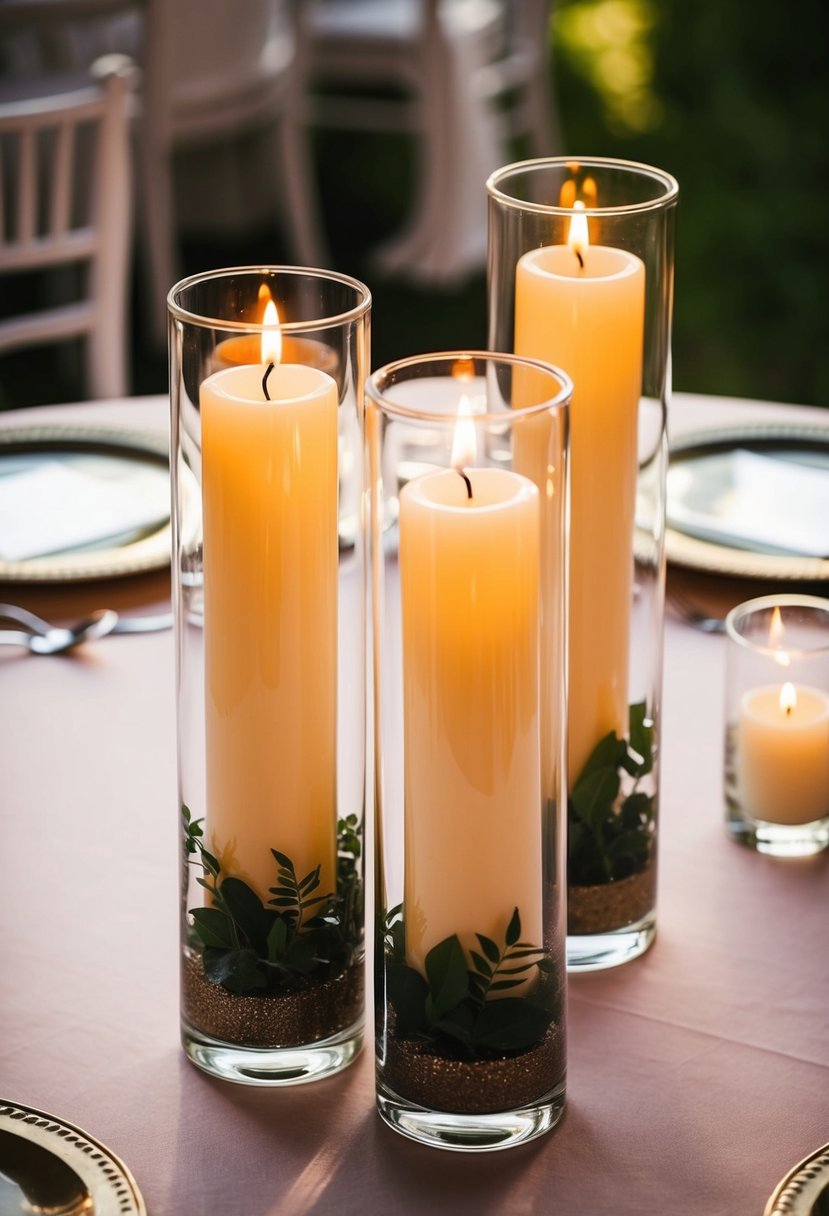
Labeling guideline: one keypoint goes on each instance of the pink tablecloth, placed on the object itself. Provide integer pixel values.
(698, 1075)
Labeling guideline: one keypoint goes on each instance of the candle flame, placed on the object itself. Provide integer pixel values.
(465, 444)
(271, 334)
(788, 699)
(578, 240)
(463, 369)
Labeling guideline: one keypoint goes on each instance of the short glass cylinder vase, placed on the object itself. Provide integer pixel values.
(467, 472)
(777, 725)
(266, 369)
(580, 273)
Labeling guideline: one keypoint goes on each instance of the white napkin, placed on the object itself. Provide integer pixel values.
(56, 507)
(746, 500)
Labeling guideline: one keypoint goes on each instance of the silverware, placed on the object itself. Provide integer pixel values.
(41, 637)
(692, 614)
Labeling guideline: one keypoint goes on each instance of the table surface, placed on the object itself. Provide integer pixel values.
(698, 1075)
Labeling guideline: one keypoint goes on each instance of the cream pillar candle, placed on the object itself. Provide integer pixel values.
(270, 619)
(582, 307)
(783, 753)
(469, 586)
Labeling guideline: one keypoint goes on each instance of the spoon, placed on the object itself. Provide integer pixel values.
(56, 640)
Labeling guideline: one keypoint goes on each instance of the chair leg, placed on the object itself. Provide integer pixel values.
(156, 230)
(299, 196)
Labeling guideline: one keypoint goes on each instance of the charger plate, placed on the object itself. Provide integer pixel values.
(47, 1165)
(805, 1189)
(119, 454)
(805, 445)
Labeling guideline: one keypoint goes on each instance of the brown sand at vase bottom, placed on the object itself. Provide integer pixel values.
(613, 905)
(293, 1019)
(462, 1087)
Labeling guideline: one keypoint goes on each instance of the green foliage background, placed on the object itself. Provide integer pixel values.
(732, 99)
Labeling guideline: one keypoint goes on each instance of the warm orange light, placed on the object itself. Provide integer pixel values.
(776, 632)
(463, 369)
(271, 334)
(578, 240)
(788, 699)
(464, 444)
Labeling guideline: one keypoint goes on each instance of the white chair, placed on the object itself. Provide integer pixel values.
(214, 72)
(475, 76)
(215, 119)
(65, 198)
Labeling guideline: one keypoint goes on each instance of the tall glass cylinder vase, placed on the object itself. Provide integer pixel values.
(266, 369)
(467, 471)
(580, 273)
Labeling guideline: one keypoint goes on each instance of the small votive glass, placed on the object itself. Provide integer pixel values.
(777, 724)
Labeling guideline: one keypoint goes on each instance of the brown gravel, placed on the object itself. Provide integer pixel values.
(414, 1071)
(291, 1020)
(612, 905)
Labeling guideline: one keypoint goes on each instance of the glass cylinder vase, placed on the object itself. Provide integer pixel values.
(266, 368)
(580, 273)
(467, 483)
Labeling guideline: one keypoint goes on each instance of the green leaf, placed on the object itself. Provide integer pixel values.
(636, 810)
(277, 939)
(210, 862)
(283, 860)
(213, 927)
(489, 948)
(592, 799)
(481, 965)
(510, 1024)
(407, 991)
(607, 753)
(458, 1025)
(236, 970)
(447, 976)
(500, 985)
(247, 910)
(513, 929)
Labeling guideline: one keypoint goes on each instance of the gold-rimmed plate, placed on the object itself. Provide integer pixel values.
(805, 1189)
(699, 478)
(116, 467)
(48, 1165)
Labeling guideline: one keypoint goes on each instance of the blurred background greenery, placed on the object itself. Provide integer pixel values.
(731, 99)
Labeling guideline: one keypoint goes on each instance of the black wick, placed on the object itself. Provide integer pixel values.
(265, 381)
(581, 259)
(467, 482)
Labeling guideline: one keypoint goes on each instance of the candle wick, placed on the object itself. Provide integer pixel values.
(265, 381)
(581, 259)
(467, 482)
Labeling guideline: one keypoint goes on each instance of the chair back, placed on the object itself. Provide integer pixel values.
(65, 198)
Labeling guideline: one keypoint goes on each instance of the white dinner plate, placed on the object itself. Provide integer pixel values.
(733, 498)
(82, 502)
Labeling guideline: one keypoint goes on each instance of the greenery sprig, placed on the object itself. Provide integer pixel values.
(298, 937)
(452, 1006)
(610, 835)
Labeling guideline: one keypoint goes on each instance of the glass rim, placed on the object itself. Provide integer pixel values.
(408, 413)
(669, 183)
(761, 604)
(204, 322)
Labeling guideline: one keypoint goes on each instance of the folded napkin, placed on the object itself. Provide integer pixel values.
(56, 507)
(749, 501)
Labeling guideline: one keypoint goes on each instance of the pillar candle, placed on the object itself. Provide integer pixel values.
(783, 753)
(587, 317)
(269, 487)
(469, 586)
